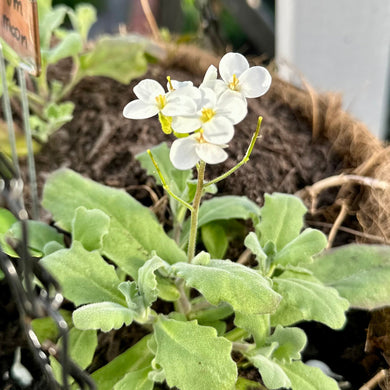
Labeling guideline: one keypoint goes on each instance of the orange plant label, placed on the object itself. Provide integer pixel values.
(19, 29)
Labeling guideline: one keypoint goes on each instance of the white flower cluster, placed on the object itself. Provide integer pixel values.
(203, 117)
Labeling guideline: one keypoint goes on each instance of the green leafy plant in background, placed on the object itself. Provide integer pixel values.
(197, 308)
(119, 57)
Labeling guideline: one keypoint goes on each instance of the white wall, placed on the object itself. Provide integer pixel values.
(342, 46)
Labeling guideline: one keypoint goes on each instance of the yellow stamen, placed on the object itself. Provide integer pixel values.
(200, 137)
(233, 85)
(161, 101)
(170, 83)
(207, 114)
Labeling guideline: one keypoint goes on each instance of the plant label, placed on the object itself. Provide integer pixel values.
(19, 29)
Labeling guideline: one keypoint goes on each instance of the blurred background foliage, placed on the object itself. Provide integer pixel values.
(215, 24)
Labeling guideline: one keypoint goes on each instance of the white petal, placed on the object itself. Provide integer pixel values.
(177, 105)
(183, 124)
(211, 154)
(183, 153)
(188, 91)
(179, 84)
(137, 109)
(218, 86)
(209, 98)
(211, 74)
(230, 64)
(147, 90)
(255, 82)
(218, 130)
(233, 106)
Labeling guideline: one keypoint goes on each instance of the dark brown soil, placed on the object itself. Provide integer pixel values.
(101, 144)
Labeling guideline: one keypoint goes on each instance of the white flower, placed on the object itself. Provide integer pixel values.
(175, 84)
(187, 152)
(153, 99)
(215, 115)
(250, 82)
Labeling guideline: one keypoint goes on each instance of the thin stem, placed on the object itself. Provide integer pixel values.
(337, 223)
(243, 161)
(30, 158)
(77, 75)
(165, 185)
(151, 19)
(195, 211)
(183, 303)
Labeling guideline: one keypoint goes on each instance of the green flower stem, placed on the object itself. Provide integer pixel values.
(42, 83)
(165, 185)
(243, 161)
(195, 211)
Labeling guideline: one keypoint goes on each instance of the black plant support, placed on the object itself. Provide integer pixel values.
(32, 302)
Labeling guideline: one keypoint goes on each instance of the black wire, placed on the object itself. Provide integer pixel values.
(31, 302)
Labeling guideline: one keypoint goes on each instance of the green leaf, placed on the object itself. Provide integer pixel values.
(291, 342)
(103, 315)
(167, 289)
(51, 247)
(46, 329)
(257, 325)
(304, 377)
(130, 292)
(55, 115)
(215, 240)
(49, 20)
(83, 18)
(281, 219)
(136, 380)
(39, 234)
(89, 227)
(70, 46)
(271, 373)
(302, 249)
(134, 231)
(253, 244)
(212, 313)
(305, 298)
(193, 357)
(135, 358)
(147, 281)
(119, 58)
(246, 384)
(82, 345)
(360, 273)
(224, 281)
(85, 276)
(7, 219)
(222, 208)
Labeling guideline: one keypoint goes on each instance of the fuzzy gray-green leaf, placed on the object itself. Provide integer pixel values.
(305, 298)
(360, 273)
(134, 231)
(193, 357)
(85, 277)
(224, 281)
(281, 219)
